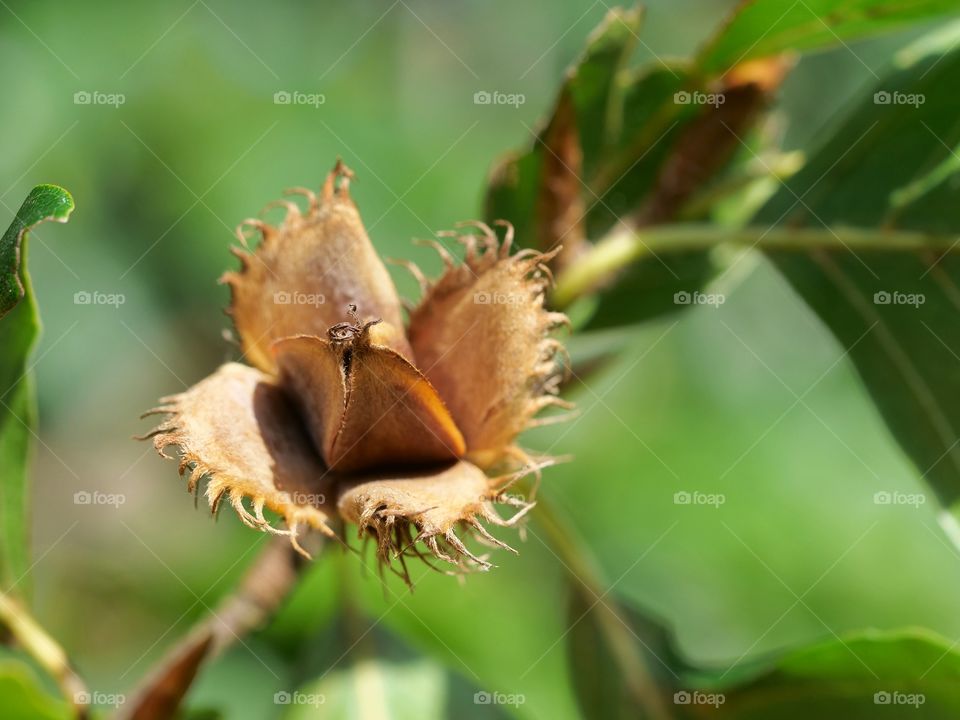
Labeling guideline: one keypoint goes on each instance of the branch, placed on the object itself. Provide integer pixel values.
(585, 575)
(263, 589)
(46, 651)
(625, 246)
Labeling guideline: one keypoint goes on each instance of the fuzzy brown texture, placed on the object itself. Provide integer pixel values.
(481, 335)
(428, 508)
(339, 396)
(304, 273)
(238, 429)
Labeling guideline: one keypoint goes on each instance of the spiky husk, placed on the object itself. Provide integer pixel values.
(481, 335)
(237, 430)
(428, 515)
(306, 271)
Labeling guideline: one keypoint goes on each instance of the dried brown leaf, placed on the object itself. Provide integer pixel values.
(561, 211)
(711, 139)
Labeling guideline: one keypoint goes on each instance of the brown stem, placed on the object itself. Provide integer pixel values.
(264, 587)
(612, 622)
(35, 641)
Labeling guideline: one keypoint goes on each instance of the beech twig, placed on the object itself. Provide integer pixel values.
(263, 589)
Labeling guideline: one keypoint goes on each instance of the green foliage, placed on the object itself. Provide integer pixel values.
(373, 688)
(22, 698)
(891, 165)
(618, 146)
(19, 327)
(613, 135)
(491, 630)
(603, 688)
(765, 27)
(903, 674)
(622, 124)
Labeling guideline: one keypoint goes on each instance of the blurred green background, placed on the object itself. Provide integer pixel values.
(753, 400)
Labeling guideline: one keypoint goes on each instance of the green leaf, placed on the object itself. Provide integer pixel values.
(603, 687)
(19, 327)
(22, 698)
(45, 202)
(910, 673)
(626, 146)
(375, 688)
(760, 28)
(891, 166)
(585, 122)
(488, 629)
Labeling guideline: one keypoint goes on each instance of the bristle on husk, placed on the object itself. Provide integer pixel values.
(481, 335)
(428, 515)
(237, 430)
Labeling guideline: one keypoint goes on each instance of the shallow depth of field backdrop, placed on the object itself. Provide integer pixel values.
(704, 401)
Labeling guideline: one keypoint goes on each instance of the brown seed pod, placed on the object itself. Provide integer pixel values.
(349, 418)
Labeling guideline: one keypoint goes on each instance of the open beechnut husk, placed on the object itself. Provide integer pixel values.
(407, 430)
